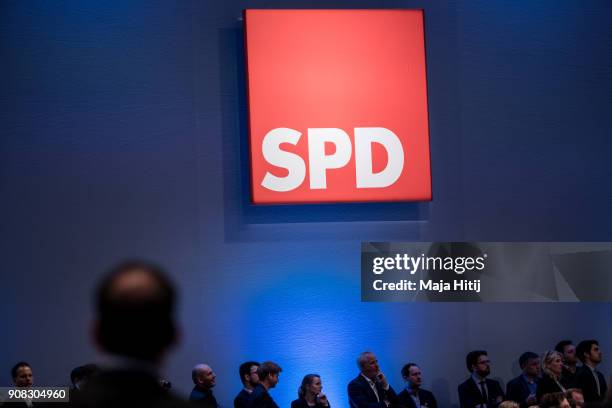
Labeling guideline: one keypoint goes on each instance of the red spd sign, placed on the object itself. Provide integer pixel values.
(337, 106)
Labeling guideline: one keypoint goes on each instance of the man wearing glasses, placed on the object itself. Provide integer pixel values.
(479, 391)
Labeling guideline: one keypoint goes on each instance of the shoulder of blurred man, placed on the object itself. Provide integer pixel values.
(125, 388)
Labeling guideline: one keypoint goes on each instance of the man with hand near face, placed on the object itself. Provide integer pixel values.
(414, 396)
(370, 389)
(479, 391)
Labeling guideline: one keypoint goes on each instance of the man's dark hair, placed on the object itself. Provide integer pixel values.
(406, 369)
(585, 347)
(135, 313)
(525, 357)
(266, 368)
(16, 368)
(472, 358)
(84, 371)
(245, 369)
(560, 347)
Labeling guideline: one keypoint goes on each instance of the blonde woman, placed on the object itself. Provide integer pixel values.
(552, 367)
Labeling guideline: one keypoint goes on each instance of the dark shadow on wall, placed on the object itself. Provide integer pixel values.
(240, 216)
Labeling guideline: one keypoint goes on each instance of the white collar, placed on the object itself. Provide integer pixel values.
(372, 383)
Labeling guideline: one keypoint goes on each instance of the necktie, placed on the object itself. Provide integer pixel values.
(483, 391)
(597, 382)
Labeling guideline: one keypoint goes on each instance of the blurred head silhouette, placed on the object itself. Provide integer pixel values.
(135, 307)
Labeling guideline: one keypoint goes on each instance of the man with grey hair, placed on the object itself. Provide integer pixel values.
(370, 389)
(204, 379)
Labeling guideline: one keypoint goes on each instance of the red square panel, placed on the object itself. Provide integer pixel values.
(337, 106)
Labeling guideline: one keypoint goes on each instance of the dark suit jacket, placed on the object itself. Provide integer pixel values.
(547, 385)
(301, 403)
(242, 399)
(260, 398)
(125, 389)
(203, 398)
(586, 382)
(426, 397)
(568, 379)
(361, 394)
(470, 395)
(517, 390)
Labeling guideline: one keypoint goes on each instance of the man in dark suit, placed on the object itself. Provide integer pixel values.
(370, 389)
(22, 377)
(135, 328)
(570, 361)
(414, 396)
(249, 379)
(268, 373)
(588, 379)
(523, 388)
(479, 391)
(204, 379)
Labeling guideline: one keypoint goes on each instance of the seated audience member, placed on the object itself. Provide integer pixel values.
(523, 388)
(268, 373)
(479, 391)
(22, 376)
(552, 366)
(309, 393)
(588, 379)
(568, 351)
(575, 398)
(509, 404)
(135, 328)
(413, 396)
(554, 400)
(249, 379)
(370, 389)
(204, 380)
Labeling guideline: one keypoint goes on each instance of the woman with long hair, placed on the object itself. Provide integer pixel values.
(552, 367)
(309, 393)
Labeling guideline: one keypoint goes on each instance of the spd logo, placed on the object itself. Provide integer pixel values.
(337, 106)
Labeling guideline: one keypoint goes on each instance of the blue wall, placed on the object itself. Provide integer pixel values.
(123, 133)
